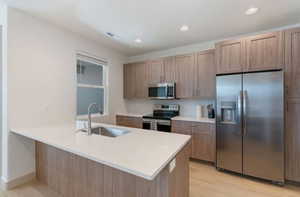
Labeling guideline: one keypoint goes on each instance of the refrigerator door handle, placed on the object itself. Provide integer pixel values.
(239, 107)
(239, 111)
(245, 112)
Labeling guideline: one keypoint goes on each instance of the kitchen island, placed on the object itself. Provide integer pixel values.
(141, 163)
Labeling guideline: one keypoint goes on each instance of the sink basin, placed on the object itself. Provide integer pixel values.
(107, 131)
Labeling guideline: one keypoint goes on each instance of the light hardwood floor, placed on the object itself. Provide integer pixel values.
(206, 181)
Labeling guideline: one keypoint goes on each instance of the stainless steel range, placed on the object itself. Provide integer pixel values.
(160, 120)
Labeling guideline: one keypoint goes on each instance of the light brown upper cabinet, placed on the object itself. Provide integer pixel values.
(140, 82)
(264, 52)
(205, 71)
(155, 71)
(185, 65)
(230, 56)
(135, 85)
(129, 80)
(292, 63)
(170, 70)
(255, 53)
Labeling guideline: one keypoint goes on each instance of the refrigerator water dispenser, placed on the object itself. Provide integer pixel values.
(228, 112)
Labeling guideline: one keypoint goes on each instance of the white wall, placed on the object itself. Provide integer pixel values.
(41, 82)
(3, 87)
(1, 114)
(187, 106)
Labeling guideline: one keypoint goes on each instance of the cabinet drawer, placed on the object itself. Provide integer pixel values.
(202, 127)
(129, 121)
(182, 127)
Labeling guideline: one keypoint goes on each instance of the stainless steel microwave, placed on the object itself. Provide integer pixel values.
(162, 91)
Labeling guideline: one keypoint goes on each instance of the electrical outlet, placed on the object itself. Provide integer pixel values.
(172, 165)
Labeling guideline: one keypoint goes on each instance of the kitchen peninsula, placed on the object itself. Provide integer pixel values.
(140, 163)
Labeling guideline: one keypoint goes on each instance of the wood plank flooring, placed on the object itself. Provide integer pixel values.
(206, 181)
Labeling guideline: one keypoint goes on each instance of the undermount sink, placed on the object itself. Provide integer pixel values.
(107, 131)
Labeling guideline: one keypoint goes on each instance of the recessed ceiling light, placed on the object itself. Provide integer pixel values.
(138, 40)
(251, 11)
(184, 28)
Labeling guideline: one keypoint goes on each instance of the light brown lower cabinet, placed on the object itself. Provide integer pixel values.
(203, 138)
(73, 176)
(129, 121)
(203, 141)
(292, 141)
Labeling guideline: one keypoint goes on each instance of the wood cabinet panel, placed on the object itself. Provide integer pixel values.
(203, 138)
(205, 71)
(155, 71)
(128, 121)
(203, 142)
(170, 70)
(292, 141)
(292, 63)
(181, 127)
(185, 75)
(74, 176)
(140, 82)
(264, 52)
(135, 85)
(129, 81)
(230, 56)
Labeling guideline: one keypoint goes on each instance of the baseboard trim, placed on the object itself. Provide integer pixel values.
(295, 183)
(18, 181)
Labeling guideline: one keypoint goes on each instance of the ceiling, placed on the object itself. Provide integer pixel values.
(157, 22)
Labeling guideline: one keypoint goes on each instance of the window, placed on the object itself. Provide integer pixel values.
(91, 85)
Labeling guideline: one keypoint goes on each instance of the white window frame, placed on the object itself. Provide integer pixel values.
(104, 65)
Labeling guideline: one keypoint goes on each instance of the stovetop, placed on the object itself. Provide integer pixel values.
(164, 112)
(159, 117)
(162, 115)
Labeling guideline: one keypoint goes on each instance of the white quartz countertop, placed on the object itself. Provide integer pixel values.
(143, 153)
(130, 115)
(194, 119)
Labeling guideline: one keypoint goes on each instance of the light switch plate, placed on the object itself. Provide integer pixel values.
(172, 165)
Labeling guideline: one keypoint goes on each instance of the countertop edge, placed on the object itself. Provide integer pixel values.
(192, 119)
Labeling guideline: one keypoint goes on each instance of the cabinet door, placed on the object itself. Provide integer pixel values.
(140, 82)
(129, 81)
(230, 56)
(264, 52)
(170, 70)
(203, 142)
(128, 121)
(205, 71)
(155, 71)
(185, 75)
(292, 141)
(292, 63)
(181, 127)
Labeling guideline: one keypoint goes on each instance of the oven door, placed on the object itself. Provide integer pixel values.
(149, 124)
(163, 125)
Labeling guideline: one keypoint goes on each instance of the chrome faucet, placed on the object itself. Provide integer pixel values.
(89, 130)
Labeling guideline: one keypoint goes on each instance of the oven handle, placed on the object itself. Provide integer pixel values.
(163, 122)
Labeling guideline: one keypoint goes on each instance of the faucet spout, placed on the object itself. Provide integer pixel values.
(89, 130)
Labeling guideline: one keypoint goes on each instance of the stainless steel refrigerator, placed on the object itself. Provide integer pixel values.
(250, 124)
